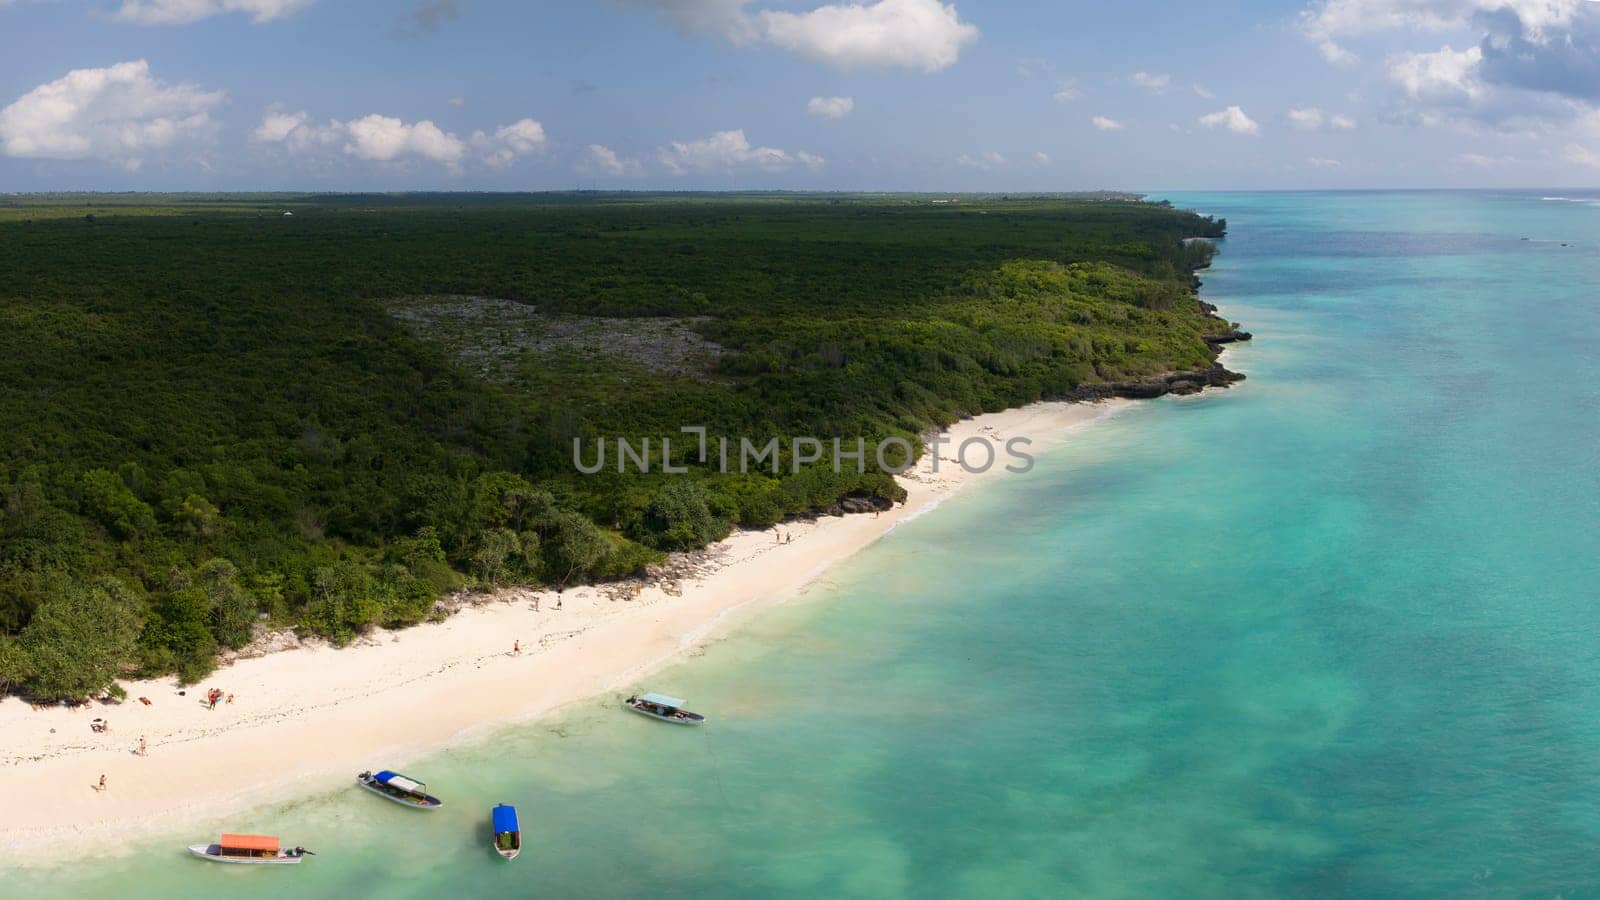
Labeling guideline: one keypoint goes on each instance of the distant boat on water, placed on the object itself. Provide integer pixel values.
(398, 788)
(250, 850)
(507, 833)
(664, 708)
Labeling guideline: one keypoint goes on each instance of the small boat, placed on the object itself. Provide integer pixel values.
(667, 709)
(507, 833)
(400, 789)
(250, 850)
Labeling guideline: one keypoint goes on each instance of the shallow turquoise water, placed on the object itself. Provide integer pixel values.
(1332, 633)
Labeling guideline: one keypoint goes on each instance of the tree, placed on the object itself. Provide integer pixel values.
(497, 548)
(680, 517)
(79, 638)
(108, 499)
(576, 545)
(14, 665)
(233, 609)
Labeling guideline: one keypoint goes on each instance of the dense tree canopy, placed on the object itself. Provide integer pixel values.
(213, 417)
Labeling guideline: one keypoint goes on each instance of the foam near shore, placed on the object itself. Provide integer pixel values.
(308, 719)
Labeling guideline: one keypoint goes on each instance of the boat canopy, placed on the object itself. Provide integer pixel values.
(663, 700)
(505, 819)
(396, 780)
(259, 842)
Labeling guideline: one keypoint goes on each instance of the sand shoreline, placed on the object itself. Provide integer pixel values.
(306, 720)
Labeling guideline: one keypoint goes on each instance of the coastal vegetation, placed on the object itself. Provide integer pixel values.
(320, 412)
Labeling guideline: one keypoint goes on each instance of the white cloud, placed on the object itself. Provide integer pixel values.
(1583, 156)
(602, 160)
(1320, 162)
(510, 142)
(385, 139)
(183, 12)
(1106, 124)
(276, 127)
(1233, 118)
(1041, 158)
(1310, 118)
(458, 102)
(1067, 90)
(911, 34)
(1350, 18)
(810, 160)
(119, 113)
(1443, 76)
(1203, 92)
(1151, 82)
(1339, 56)
(830, 107)
(724, 151)
(985, 161)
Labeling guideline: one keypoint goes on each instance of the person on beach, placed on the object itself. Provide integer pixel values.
(143, 749)
(230, 699)
(102, 785)
(516, 648)
(559, 589)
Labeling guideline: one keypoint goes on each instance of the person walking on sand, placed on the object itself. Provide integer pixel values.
(143, 748)
(559, 589)
(516, 648)
(102, 785)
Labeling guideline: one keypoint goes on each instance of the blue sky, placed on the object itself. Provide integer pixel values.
(797, 94)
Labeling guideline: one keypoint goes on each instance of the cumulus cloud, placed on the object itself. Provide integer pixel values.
(984, 161)
(598, 159)
(1443, 76)
(184, 12)
(1105, 123)
(509, 143)
(830, 107)
(1151, 82)
(1203, 92)
(1310, 118)
(1233, 118)
(1067, 90)
(386, 139)
(1041, 158)
(120, 114)
(727, 151)
(912, 34)
(1545, 47)
(1322, 162)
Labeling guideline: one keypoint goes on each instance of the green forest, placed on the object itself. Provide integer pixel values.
(223, 413)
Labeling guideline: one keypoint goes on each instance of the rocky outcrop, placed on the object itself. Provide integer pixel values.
(1161, 385)
(1228, 337)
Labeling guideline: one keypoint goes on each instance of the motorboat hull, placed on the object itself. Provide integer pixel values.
(429, 804)
(213, 853)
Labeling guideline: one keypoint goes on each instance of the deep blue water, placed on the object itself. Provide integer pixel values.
(1331, 633)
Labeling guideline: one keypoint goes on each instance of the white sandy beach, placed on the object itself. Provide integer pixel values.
(304, 720)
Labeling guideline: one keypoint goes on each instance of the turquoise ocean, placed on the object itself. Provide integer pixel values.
(1334, 632)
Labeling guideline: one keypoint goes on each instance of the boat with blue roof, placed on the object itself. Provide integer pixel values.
(507, 833)
(664, 709)
(399, 789)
